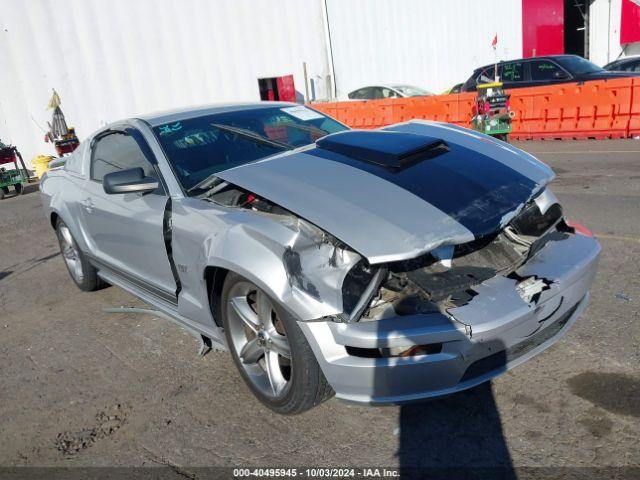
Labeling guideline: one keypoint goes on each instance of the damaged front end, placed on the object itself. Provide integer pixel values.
(416, 267)
(460, 314)
(446, 277)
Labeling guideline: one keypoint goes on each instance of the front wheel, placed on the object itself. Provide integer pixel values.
(19, 188)
(270, 350)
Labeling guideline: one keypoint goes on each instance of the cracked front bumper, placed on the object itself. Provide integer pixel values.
(493, 333)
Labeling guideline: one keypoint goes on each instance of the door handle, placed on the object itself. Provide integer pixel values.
(87, 203)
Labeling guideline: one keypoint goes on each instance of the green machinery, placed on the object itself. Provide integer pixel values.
(491, 114)
(16, 177)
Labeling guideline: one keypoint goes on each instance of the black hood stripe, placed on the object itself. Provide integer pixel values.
(474, 189)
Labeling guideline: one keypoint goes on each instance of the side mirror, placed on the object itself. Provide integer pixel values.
(128, 181)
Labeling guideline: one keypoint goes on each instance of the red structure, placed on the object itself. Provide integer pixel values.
(286, 88)
(277, 88)
(630, 22)
(542, 27)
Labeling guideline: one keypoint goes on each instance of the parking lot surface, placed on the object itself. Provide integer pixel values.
(82, 387)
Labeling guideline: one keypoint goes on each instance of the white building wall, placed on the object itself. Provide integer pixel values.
(430, 44)
(112, 59)
(118, 58)
(604, 33)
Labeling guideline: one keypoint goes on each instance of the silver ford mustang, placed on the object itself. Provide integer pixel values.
(386, 266)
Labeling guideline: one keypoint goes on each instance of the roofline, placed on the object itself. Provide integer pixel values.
(182, 113)
(391, 86)
(541, 57)
(373, 85)
(623, 59)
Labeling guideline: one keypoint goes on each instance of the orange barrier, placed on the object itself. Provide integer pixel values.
(598, 109)
(634, 119)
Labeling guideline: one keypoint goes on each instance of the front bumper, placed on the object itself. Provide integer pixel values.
(493, 333)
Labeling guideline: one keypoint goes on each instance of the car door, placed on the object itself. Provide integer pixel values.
(513, 75)
(547, 72)
(127, 230)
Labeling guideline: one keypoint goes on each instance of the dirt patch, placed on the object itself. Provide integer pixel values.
(107, 423)
(596, 422)
(615, 392)
(522, 399)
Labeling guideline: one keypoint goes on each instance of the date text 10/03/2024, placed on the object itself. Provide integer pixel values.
(372, 472)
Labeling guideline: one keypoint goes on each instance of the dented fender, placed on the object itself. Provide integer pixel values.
(292, 260)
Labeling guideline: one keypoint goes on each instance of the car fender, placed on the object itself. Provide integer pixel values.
(288, 258)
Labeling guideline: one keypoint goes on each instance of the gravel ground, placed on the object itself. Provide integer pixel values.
(79, 387)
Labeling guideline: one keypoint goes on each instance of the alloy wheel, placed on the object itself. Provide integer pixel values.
(70, 253)
(259, 339)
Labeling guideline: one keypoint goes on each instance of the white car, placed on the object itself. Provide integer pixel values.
(377, 92)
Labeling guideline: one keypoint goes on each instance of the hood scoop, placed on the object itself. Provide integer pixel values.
(394, 151)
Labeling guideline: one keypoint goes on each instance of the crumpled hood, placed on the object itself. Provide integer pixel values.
(395, 193)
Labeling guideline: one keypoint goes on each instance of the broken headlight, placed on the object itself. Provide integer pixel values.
(354, 285)
(531, 222)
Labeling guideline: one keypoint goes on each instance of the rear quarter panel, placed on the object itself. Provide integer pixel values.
(61, 194)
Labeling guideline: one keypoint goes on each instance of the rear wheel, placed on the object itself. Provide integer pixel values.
(82, 272)
(270, 350)
(3, 192)
(19, 188)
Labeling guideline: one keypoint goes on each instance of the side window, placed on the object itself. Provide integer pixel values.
(376, 93)
(632, 67)
(545, 70)
(117, 151)
(512, 72)
(362, 94)
(388, 93)
(486, 76)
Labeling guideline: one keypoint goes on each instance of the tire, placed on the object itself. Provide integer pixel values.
(84, 275)
(2, 193)
(304, 383)
(19, 188)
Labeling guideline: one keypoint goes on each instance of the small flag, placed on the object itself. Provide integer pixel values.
(54, 102)
(494, 42)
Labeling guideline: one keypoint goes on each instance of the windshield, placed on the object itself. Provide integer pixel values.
(202, 146)
(578, 65)
(411, 91)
